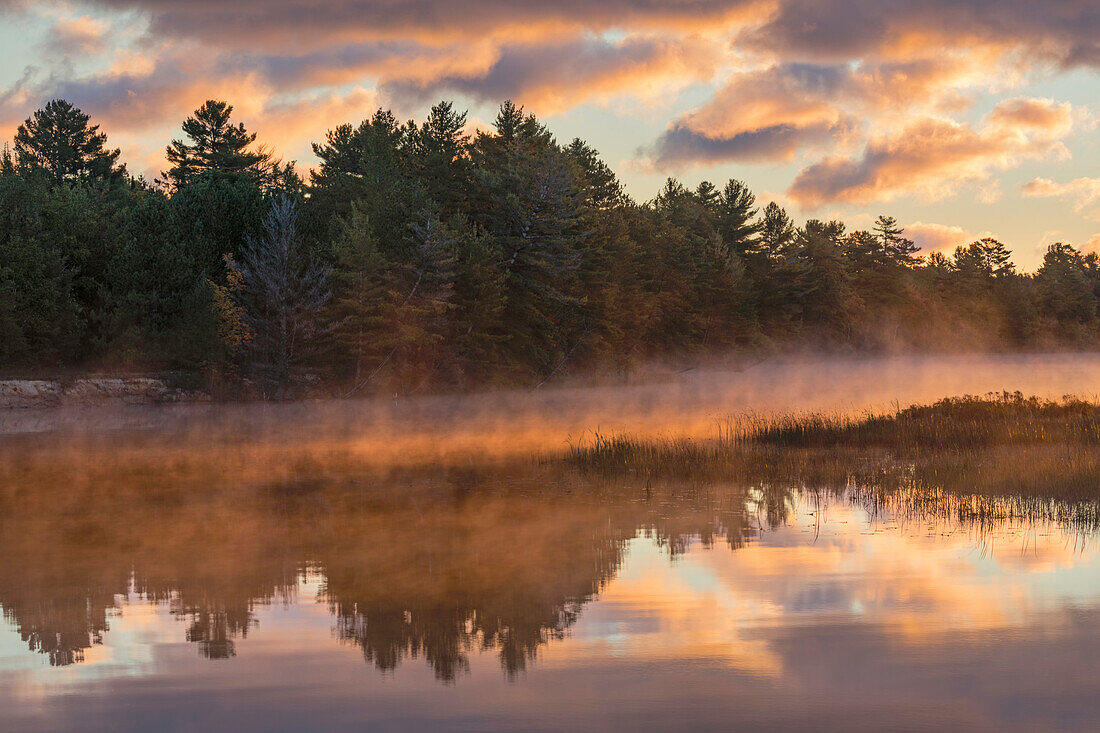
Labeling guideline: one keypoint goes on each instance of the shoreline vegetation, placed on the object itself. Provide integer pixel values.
(424, 256)
(995, 445)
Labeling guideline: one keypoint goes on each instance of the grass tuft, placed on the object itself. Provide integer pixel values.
(955, 423)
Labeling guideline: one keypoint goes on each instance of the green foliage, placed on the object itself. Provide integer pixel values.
(161, 307)
(214, 216)
(217, 147)
(282, 295)
(39, 322)
(456, 260)
(360, 290)
(1066, 292)
(58, 141)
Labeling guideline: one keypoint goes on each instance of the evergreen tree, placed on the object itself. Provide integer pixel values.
(284, 293)
(1065, 293)
(984, 259)
(369, 166)
(601, 187)
(40, 317)
(160, 307)
(828, 306)
(894, 246)
(737, 223)
(216, 146)
(529, 201)
(214, 216)
(440, 149)
(360, 291)
(707, 194)
(776, 232)
(58, 140)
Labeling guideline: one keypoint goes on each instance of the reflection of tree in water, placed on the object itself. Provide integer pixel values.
(484, 572)
(58, 623)
(218, 610)
(430, 564)
(74, 551)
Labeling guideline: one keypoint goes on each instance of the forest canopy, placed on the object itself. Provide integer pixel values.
(416, 255)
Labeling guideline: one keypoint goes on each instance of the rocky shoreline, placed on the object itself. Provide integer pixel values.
(90, 392)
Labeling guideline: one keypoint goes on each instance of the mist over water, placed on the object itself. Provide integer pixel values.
(434, 563)
(518, 422)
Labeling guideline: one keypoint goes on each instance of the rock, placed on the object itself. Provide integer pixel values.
(88, 392)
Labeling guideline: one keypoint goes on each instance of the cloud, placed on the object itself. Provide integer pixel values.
(81, 35)
(773, 113)
(851, 91)
(1064, 32)
(932, 155)
(759, 116)
(290, 124)
(318, 23)
(931, 237)
(1083, 192)
(594, 67)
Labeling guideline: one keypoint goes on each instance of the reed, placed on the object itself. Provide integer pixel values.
(954, 423)
(994, 445)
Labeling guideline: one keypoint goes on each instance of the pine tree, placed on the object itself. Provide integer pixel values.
(7, 161)
(530, 201)
(58, 140)
(737, 223)
(601, 187)
(216, 146)
(776, 232)
(984, 259)
(440, 150)
(823, 288)
(894, 246)
(1065, 295)
(708, 195)
(284, 293)
(360, 292)
(369, 166)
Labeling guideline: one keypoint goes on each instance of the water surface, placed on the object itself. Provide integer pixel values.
(260, 576)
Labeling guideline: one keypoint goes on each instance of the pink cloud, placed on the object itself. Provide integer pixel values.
(931, 156)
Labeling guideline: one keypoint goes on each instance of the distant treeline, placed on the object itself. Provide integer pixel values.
(417, 256)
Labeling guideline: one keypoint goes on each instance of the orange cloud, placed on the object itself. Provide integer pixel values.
(931, 156)
(594, 67)
(288, 125)
(795, 78)
(931, 237)
(1083, 192)
(81, 35)
(771, 114)
(762, 115)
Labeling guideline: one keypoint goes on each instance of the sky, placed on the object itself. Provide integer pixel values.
(961, 118)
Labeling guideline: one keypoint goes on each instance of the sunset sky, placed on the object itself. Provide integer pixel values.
(959, 117)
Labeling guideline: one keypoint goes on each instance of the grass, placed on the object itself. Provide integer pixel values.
(955, 423)
(999, 444)
(952, 424)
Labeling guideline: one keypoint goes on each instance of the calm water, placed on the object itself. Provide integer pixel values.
(255, 576)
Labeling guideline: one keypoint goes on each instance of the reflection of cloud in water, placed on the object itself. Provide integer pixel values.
(253, 560)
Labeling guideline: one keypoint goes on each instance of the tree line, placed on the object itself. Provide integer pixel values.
(418, 256)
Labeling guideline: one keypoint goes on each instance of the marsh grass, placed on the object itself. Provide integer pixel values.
(983, 511)
(1000, 444)
(954, 423)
